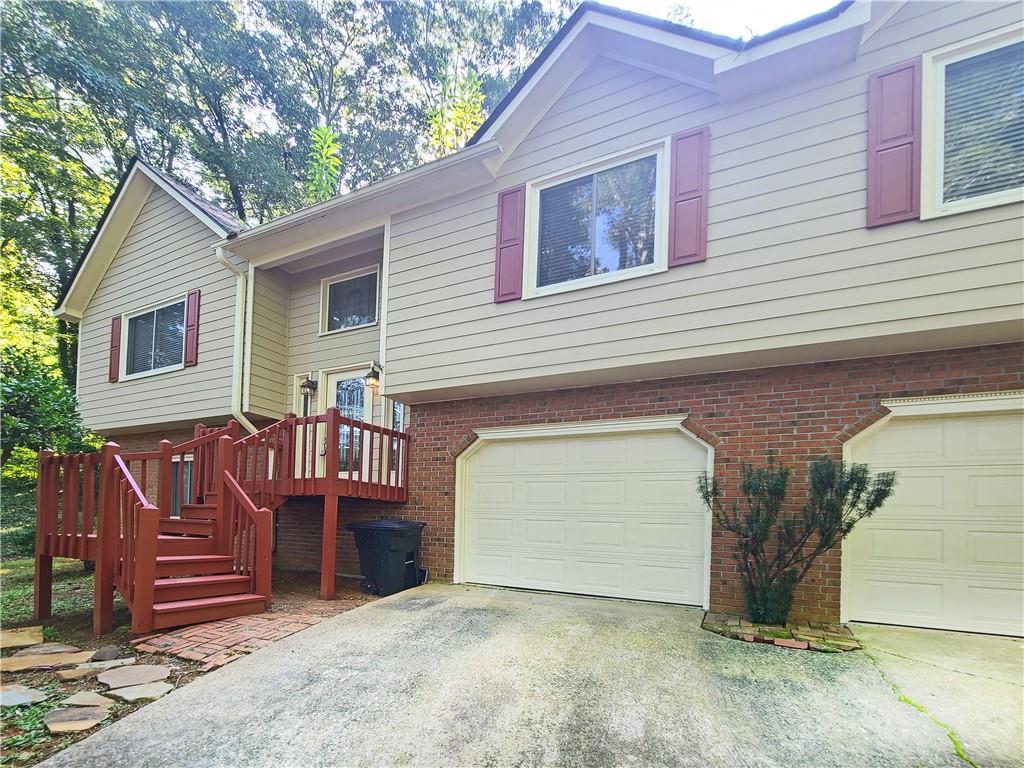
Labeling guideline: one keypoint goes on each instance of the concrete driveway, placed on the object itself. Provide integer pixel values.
(461, 676)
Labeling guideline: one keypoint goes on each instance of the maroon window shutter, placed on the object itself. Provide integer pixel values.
(688, 197)
(508, 257)
(894, 144)
(114, 368)
(192, 328)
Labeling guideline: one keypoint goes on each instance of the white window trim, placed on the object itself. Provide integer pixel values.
(126, 319)
(325, 285)
(531, 231)
(933, 87)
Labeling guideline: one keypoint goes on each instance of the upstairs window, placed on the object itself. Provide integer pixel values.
(349, 301)
(974, 100)
(597, 227)
(156, 340)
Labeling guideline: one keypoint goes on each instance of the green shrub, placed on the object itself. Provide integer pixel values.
(774, 548)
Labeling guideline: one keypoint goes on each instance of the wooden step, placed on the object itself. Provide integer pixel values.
(198, 511)
(198, 526)
(192, 587)
(185, 545)
(193, 565)
(180, 612)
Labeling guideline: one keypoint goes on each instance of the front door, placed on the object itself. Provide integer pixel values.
(347, 392)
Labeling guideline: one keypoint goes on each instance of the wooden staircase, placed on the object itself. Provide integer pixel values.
(201, 551)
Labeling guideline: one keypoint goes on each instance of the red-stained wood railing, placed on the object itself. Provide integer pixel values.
(67, 491)
(325, 454)
(128, 528)
(244, 530)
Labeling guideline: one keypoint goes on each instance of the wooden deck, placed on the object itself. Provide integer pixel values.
(212, 558)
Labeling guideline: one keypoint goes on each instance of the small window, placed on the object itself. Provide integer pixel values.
(597, 224)
(349, 302)
(156, 339)
(977, 141)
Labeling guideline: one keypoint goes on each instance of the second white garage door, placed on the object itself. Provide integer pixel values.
(615, 515)
(946, 550)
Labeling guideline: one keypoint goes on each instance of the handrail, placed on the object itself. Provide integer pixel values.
(129, 527)
(244, 530)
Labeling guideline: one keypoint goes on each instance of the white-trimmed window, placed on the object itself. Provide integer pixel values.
(349, 301)
(597, 224)
(973, 124)
(154, 340)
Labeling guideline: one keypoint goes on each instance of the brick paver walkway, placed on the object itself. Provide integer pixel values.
(216, 643)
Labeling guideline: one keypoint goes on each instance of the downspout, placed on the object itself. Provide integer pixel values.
(238, 347)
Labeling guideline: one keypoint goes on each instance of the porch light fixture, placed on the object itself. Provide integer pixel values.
(307, 389)
(372, 377)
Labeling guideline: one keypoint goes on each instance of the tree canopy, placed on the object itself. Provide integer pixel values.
(234, 96)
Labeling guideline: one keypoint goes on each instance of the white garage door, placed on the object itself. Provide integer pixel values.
(946, 550)
(614, 515)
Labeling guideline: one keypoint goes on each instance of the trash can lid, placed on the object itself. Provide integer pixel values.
(385, 525)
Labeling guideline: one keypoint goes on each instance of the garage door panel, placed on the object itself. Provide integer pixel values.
(615, 515)
(947, 550)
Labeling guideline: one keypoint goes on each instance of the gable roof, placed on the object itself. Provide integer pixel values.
(727, 44)
(728, 66)
(129, 195)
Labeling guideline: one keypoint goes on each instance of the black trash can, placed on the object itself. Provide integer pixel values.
(389, 554)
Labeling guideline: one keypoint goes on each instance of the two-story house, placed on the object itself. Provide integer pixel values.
(665, 252)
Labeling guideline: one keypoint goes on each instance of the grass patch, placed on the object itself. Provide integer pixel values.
(71, 621)
(17, 520)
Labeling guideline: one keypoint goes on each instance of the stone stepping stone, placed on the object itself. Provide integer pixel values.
(107, 653)
(74, 719)
(43, 661)
(92, 668)
(45, 648)
(88, 699)
(135, 675)
(19, 637)
(140, 692)
(15, 695)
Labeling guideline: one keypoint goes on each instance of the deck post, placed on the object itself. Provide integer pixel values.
(165, 478)
(224, 459)
(328, 551)
(107, 534)
(42, 605)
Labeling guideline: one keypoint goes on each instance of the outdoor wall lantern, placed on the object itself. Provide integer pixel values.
(307, 388)
(372, 377)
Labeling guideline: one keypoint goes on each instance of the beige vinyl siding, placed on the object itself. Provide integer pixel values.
(790, 262)
(166, 253)
(268, 349)
(308, 350)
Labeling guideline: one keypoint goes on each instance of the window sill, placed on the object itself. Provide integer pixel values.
(347, 328)
(154, 372)
(587, 282)
(973, 204)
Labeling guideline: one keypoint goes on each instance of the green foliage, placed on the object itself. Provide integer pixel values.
(323, 166)
(457, 115)
(39, 409)
(775, 546)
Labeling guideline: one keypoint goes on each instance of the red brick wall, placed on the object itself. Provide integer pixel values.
(800, 411)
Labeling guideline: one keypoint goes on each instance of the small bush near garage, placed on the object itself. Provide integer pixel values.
(776, 548)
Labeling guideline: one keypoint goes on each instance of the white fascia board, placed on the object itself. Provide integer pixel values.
(853, 17)
(112, 232)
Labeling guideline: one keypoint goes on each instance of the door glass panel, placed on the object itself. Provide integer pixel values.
(349, 398)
